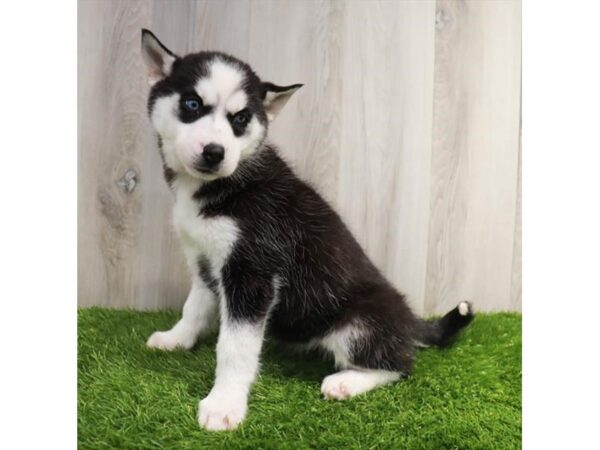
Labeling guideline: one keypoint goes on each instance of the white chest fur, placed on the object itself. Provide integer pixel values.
(211, 237)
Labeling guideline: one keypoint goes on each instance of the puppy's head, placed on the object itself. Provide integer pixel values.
(210, 109)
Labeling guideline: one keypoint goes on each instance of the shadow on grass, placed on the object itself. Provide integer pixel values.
(195, 368)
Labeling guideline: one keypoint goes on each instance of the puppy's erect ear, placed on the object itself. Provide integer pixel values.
(157, 57)
(275, 97)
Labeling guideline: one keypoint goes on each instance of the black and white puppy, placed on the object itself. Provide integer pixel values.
(268, 255)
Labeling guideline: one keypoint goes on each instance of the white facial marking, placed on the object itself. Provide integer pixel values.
(207, 92)
(225, 79)
(164, 116)
(222, 89)
(236, 102)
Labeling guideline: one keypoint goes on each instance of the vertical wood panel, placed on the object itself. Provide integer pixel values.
(292, 43)
(386, 102)
(222, 26)
(475, 154)
(110, 119)
(516, 281)
(160, 274)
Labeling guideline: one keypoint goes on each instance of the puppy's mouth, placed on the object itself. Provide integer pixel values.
(203, 170)
(203, 173)
(206, 170)
(206, 174)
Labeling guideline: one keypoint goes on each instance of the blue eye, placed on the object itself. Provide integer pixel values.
(192, 104)
(241, 118)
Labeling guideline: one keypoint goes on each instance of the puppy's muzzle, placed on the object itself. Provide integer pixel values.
(210, 159)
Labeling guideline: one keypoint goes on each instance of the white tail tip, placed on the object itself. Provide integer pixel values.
(464, 308)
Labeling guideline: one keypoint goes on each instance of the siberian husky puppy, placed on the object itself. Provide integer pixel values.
(268, 256)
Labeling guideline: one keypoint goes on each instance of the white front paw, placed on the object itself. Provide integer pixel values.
(222, 411)
(169, 340)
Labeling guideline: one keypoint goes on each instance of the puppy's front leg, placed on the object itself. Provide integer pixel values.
(199, 317)
(238, 351)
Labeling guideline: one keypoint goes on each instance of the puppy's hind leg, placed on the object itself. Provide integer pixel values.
(199, 316)
(348, 383)
(362, 353)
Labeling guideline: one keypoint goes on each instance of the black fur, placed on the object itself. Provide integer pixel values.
(327, 281)
(205, 272)
(289, 232)
(444, 332)
(168, 173)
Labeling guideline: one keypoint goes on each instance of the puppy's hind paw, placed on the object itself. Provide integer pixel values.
(335, 387)
(348, 383)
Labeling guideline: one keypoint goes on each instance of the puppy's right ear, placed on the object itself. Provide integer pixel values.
(158, 58)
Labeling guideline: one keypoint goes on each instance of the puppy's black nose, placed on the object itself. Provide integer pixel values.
(213, 154)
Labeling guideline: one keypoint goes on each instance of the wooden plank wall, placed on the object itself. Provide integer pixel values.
(409, 123)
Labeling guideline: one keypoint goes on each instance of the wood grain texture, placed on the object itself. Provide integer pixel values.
(517, 264)
(474, 166)
(308, 129)
(407, 129)
(111, 122)
(385, 148)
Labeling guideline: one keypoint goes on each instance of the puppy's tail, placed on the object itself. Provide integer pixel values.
(443, 332)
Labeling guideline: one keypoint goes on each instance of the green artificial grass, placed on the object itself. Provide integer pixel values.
(130, 397)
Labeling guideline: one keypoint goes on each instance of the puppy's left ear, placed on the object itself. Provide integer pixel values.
(275, 97)
(158, 58)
